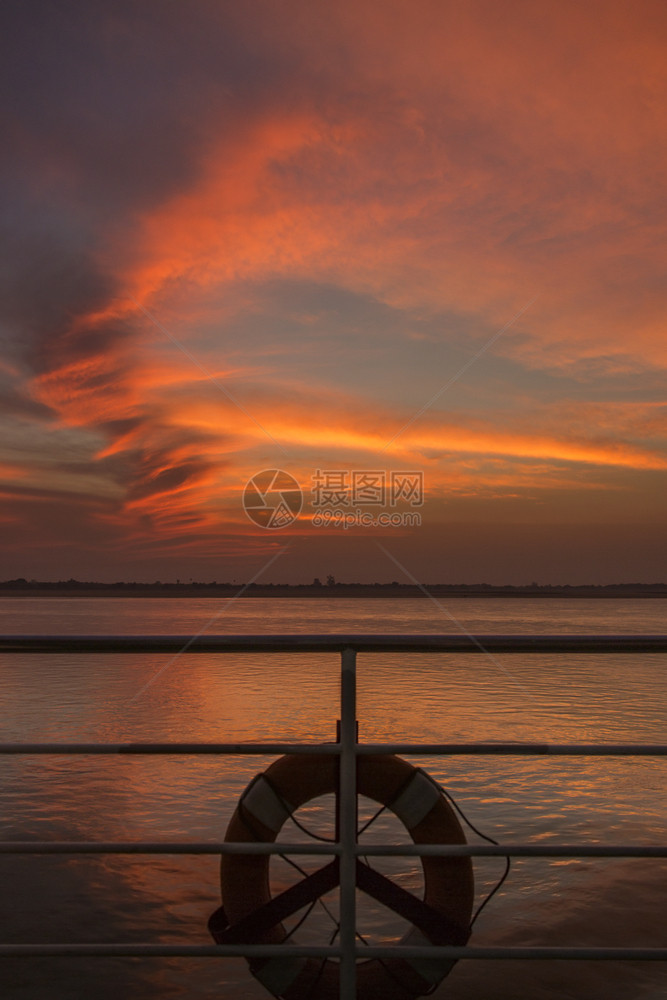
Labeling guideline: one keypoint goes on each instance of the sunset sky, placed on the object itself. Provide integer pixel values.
(344, 236)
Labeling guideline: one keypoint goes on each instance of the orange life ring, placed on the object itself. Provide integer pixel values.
(414, 797)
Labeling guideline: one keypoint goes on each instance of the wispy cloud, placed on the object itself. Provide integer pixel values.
(329, 212)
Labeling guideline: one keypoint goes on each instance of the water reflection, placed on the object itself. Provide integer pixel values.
(284, 697)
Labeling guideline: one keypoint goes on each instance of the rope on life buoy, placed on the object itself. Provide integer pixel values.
(250, 913)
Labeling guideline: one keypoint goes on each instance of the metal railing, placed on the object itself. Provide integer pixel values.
(347, 748)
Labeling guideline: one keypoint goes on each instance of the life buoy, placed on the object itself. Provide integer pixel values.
(443, 915)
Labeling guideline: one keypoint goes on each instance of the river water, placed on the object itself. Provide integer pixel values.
(401, 697)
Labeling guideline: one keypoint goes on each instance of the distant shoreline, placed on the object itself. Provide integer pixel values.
(339, 590)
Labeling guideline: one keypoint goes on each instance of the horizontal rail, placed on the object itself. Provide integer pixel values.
(516, 850)
(262, 749)
(333, 643)
(132, 950)
(511, 749)
(409, 749)
(146, 950)
(162, 847)
(346, 846)
(549, 953)
(370, 850)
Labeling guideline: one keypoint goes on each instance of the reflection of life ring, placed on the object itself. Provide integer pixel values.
(250, 915)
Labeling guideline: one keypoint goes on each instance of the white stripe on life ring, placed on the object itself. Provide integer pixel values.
(416, 801)
(278, 974)
(430, 969)
(262, 802)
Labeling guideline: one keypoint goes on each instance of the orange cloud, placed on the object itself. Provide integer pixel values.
(474, 175)
(454, 161)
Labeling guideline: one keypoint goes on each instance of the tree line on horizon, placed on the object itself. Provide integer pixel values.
(20, 583)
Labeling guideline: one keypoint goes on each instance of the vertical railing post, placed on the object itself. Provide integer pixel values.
(348, 823)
